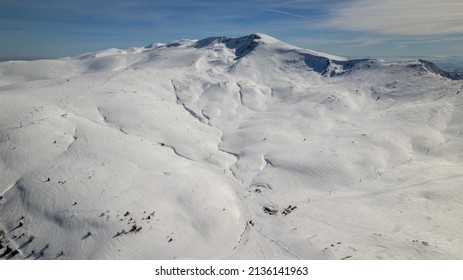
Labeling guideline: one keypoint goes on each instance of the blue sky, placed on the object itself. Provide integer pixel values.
(354, 28)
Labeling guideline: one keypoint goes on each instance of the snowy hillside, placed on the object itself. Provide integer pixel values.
(222, 148)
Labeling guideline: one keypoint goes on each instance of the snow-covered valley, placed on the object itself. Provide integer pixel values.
(244, 148)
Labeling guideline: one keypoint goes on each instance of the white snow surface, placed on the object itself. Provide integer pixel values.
(196, 148)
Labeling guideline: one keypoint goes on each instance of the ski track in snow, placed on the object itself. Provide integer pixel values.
(229, 148)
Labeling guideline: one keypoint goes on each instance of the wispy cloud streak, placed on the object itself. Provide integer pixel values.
(431, 41)
(403, 17)
(288, 13)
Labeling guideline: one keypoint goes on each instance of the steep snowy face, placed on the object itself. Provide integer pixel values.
(242, 46)
(229, 148)
(431, 67)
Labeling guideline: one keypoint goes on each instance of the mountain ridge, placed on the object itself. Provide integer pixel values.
(113, 59)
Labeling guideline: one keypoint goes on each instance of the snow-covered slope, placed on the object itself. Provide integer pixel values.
(229, 148)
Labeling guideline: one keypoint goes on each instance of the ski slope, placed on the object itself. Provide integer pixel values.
(229, 148)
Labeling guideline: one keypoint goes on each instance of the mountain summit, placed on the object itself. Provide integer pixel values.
(229, 148)
(242, 45)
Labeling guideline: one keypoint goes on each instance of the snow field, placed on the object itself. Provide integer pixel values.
(243, 148)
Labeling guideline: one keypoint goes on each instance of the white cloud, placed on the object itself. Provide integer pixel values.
(420, 41)
(359, 42)
(403, 17)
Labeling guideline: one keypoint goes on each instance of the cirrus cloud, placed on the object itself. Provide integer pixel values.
(402, 17)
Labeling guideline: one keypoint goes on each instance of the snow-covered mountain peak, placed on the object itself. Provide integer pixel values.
(267, 44)
(241, 45)
(431, 67)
